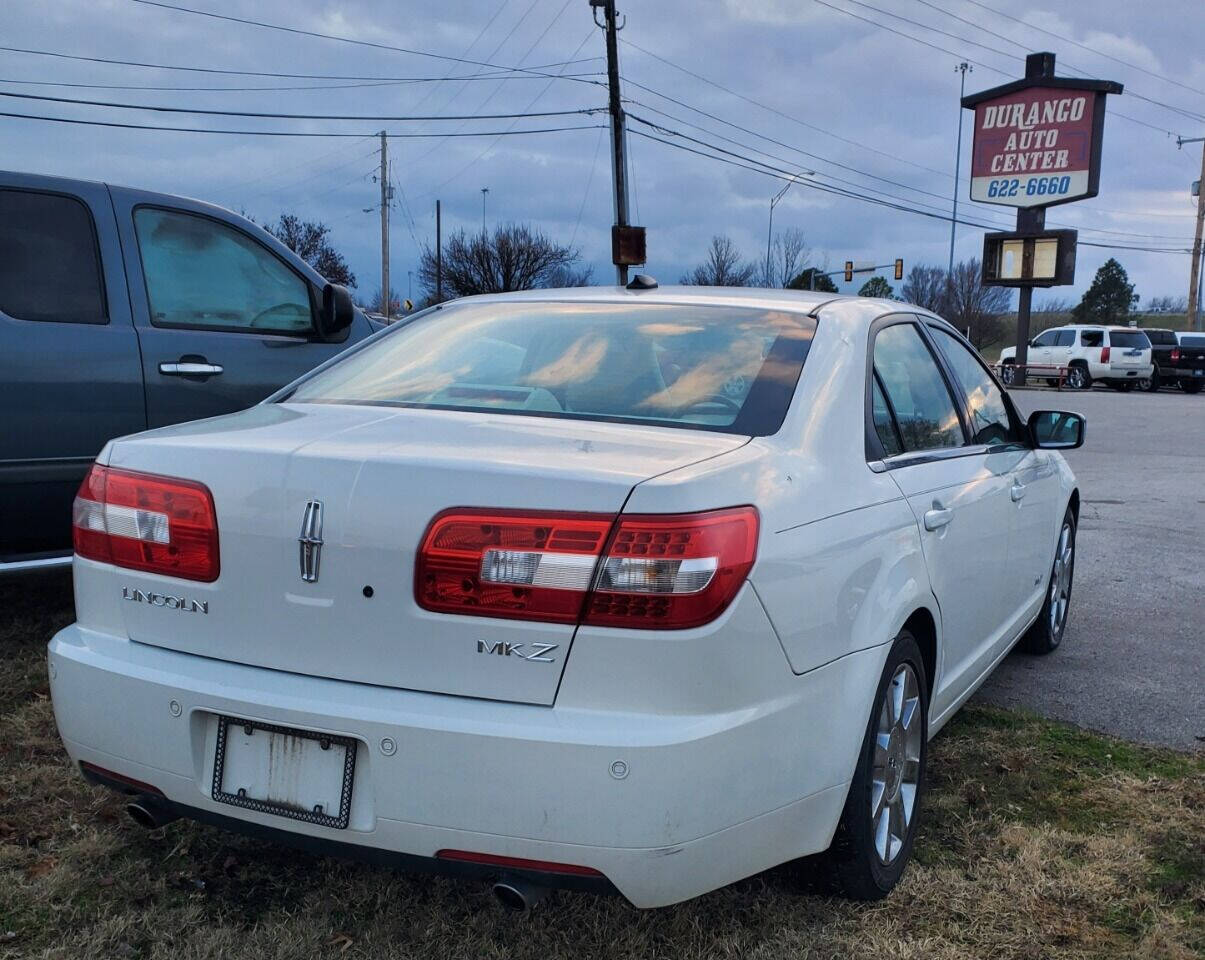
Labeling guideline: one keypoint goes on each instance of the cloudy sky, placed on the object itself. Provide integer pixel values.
(819, 85)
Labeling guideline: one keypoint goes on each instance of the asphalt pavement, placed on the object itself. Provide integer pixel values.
(1132, 660)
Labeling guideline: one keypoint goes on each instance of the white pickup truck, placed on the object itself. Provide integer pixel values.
(1118, 356)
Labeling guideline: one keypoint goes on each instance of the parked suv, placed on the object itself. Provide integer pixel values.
(1117, 356)
(1188, 365)
(122, 310)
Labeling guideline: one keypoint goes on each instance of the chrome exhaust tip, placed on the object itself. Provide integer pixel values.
(518, 896)
(149, 814)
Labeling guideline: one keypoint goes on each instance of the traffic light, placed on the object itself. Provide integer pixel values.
(899, 269)
(849, 271)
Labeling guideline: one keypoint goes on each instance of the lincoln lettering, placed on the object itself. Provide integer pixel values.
(165, 600)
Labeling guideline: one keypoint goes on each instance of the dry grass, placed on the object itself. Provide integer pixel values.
(1040, 841)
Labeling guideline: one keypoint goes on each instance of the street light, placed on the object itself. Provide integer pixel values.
(484, 191)
(773, 203)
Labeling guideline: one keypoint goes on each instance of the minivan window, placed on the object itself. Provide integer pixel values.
(203, 273)
(707, 367)
(990, 423)
(1129, 339)
(925, 414)
(49, 261)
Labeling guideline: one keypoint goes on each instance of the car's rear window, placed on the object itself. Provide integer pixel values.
(1186, 341)
(1129, 340)
(706, 367)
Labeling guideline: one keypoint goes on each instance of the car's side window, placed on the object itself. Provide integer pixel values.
(49, 260)
(990, 422)
(202, 273)
(925, 414)
(1046, 339)
(1091, 338)
(1066, 338)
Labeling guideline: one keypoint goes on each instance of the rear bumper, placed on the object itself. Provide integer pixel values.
(703, 800)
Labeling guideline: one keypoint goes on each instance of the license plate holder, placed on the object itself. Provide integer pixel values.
(296, 748)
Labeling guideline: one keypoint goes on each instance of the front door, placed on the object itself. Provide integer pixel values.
(223, 321)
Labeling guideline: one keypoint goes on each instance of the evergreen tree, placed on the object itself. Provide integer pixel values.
(876, 287)
(1110, 298)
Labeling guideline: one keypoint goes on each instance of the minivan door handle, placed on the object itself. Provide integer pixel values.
(938, 517)
(189, 368)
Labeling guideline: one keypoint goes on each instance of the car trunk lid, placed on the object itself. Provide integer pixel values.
(380, 476)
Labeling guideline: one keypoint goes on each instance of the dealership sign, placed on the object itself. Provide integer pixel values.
(1038, 141)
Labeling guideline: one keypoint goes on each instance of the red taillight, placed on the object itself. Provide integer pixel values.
(1104, 354)
(649, 572)
(517, 863)
(145, 522)
(1175, 354)
(671, 572)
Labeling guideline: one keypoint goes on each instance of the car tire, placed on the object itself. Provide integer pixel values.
(1047, 631)
(1078, 377)
(1008, 372)
(1150, 384)
(868, 855)
(1190, 386)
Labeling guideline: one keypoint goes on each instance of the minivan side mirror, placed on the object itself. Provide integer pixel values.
(336, 314)
(1056, 429)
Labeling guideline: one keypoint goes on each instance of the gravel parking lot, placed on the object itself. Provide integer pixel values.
(1132, 661)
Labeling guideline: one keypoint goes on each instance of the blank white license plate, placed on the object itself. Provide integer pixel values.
(290, 773)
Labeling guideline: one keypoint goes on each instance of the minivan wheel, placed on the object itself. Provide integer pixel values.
(874, 838)
(1047, 631)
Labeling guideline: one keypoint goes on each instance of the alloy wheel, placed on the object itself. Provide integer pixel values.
(895, 771)
(1060, 581)
(1075, 378)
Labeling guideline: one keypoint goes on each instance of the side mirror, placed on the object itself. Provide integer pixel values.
(336, 314)
(1033, 342)
(1056, 429)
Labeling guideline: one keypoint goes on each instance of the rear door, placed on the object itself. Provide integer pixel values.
(959, 493)
(224, 318)
(69, 360)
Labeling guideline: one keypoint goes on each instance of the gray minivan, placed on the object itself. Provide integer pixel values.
(123, 310)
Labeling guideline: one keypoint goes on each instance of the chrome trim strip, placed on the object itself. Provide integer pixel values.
(42, 563)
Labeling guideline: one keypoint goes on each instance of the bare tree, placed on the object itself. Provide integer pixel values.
(1053, 304)
(513, 257)
(1167, 305)
(723, 267)
(927, 286)
(976, 308)
(308, 239)
(788, 256)
(376, 303)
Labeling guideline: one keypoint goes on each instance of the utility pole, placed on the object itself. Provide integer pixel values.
(963, 68)
(619, 169)
(484, 191)
(386, 196)
(439, 258)
(1194, 281)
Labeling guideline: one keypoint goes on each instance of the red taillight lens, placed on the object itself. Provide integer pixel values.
(1104, 354)
(497, 563)
(517, 863)
(145, 522)
(658, 572)
(1175, 354)
(672, 572)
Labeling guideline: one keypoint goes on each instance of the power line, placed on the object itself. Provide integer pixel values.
(1084, 46)
(756, 166)
(533, 73)
(297, 31)
(589, 182)
(168, 88)
(291, 133)
(263, 115)
(979, 63)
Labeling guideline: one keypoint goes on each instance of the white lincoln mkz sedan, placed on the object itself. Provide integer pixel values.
(638, 590)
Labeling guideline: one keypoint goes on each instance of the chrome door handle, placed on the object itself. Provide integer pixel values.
(188, 368)
(1017, 492)
(937, 518)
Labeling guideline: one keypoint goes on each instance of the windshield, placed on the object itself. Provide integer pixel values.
(705, 367)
